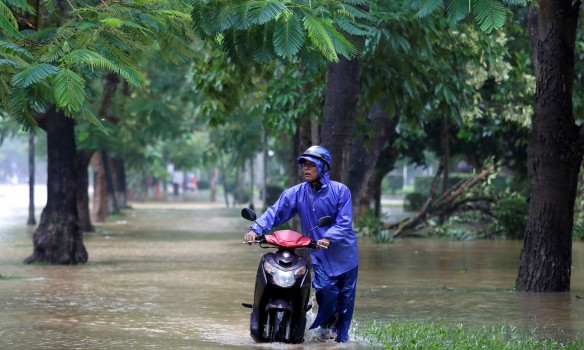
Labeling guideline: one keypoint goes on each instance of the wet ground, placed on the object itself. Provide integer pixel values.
(173, 275)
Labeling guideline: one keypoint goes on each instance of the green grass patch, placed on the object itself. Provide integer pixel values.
(431, 335)
(7, 278)
(30, 245)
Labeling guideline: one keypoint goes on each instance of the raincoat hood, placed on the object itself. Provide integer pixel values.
(322, 171)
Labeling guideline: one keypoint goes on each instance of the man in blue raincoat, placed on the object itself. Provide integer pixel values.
(335, 268)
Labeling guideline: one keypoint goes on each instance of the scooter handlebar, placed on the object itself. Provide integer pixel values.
(314, 245)
(258, 239)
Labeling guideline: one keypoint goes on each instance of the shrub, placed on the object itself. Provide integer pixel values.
(511, 215)
(394, 183)
(423, 184)
(414, 201)
(578, 231)
(203, 185)
(273, 192)
(372, 226)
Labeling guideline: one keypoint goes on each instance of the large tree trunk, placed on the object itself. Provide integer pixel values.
(340, 108)
(385, 164)
(363, 161)
(555, 151)
(81, 164)
(58, 239)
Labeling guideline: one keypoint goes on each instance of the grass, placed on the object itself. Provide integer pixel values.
(431, 335)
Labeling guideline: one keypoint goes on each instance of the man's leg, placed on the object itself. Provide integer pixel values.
(346, 303)
(327, 293)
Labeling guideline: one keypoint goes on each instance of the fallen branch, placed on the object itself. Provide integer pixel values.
(443, 204)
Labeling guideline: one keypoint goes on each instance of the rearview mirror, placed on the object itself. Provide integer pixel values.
(324, 221)
(248, 214)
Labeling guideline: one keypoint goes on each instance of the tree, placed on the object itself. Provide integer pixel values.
(50, 67)
(296, 31)
(555, 150)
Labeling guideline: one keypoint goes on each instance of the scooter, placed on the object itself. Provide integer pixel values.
(282, 288)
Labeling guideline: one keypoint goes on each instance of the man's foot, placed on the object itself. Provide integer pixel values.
(327, 334)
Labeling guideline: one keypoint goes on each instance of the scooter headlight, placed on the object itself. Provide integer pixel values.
(281, 278)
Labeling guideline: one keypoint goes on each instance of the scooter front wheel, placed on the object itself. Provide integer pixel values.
(278, 326)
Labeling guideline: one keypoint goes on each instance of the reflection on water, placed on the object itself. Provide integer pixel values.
(175, 279)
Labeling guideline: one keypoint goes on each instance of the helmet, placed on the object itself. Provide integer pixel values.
(318, 152)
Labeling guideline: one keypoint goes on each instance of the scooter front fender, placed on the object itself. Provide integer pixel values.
(279, 304)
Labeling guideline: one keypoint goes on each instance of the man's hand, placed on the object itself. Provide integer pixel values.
(250, 237)
(323, 243)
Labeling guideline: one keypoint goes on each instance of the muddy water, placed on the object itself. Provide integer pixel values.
(167, 278)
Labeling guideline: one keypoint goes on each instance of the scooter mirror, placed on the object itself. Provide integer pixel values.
(248, 214)
(324, 221)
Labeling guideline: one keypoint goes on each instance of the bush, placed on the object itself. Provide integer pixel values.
(394, 183)
(414, 201)
(511, 215)
(372, 226)
(423, 184)
(203, 185)
(273, 192)
(578, 231)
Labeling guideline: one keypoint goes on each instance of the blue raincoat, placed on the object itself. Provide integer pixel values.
(336, 267)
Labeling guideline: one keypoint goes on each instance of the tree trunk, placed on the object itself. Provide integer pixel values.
(299, 144)
(81, 165)
(340, 109)
(385, 164)
(112, 202)
(445, 143)
(555, 152)
(265, 169)
(31, 220)
(213, 184)
(363, 162)
(58, 239)
(99, 208)
(251, 182)
(224, 179)
(120, 184)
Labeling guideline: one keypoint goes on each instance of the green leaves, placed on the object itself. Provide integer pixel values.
(277, 29)
(34, 74)
(457, 10)
(69, 90)
(57, 66)
(319, 35)
(8, 24)
(84, 57)
(289, 36)
(489, 14)
(261, 12)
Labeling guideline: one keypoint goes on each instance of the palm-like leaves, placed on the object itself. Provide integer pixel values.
(490, 14)
(8, 23)
(56, 65)
(268, 29)
(289, 36)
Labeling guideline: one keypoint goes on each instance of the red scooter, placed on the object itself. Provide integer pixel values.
(282, 287)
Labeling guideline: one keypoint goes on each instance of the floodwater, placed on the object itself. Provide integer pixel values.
(174, 275)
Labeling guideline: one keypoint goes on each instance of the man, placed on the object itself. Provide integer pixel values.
(335, 268)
